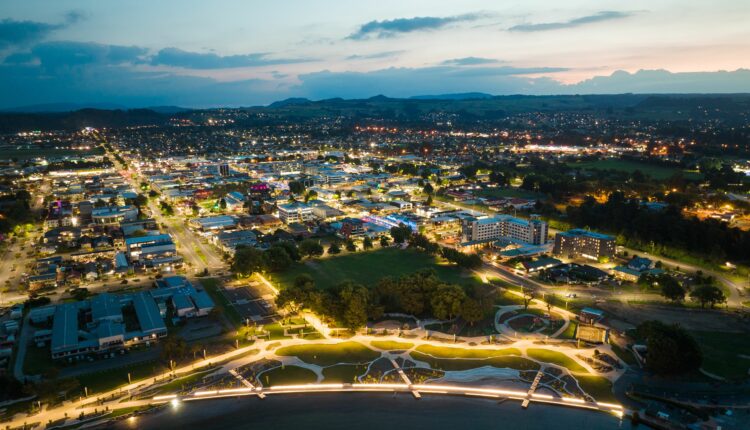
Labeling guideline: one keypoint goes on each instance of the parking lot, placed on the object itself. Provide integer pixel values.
(249, 304)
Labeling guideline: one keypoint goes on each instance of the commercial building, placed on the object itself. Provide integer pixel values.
(584, 243)
(483, 230)
(221, 222)
(114, 214)
(295, 212)
(151, 251)
(110, 323)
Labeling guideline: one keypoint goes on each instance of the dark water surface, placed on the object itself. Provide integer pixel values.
(366, 411)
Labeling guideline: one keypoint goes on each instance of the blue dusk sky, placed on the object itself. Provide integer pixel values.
(242, 53)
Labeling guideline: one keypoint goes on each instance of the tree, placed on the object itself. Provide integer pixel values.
(334, 248)
(671, 349)
(350, 245)
(671, 289)
(352, 304)
(528, 296)
(400, 234)
(247, 261)
(367, 243)
(290, 248)
(173, 348)
(384, 241)
(471, 311)
(428, 189)
(296, 187)
(446, 302)
(277, 259)
(310, 248)
(708, 295)
(297, 295)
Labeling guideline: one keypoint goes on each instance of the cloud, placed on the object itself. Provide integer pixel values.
(176, 57)
(393, 27)
(19, 33)
(576, 22)
(375, 56)
(13, 33)
(469, 61)
(53, 55)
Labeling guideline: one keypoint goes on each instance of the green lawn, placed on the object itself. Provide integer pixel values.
(570, 332)
(654, 171)
(597, 387)
(38, 361)
(328, 355)
(344, 373)
(722, 353)
(449, 352)
(511, 362)
(391, 345)
(111, 379)
(287, 375)
(367, 268)
(496, 193)
(554, 357)
(624, 355)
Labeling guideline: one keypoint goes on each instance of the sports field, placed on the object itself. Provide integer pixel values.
(367, 268)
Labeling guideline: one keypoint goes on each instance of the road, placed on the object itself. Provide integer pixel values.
(196, 253)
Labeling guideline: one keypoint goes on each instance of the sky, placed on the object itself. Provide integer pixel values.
(189, 53)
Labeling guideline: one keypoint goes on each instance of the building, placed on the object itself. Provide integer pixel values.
(114, 214)
(224, 169)
(104, 325)
(584, 243)
(228, 241)
(151, 251)
(187, 300)
(295, 212)
(482, 230)
(221, 222)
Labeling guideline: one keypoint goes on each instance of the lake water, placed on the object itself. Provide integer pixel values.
(365, 411)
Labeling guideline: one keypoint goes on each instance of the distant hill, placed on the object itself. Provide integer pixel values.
(18, 121)
(465, 108)
(62, 107)
(456, 96)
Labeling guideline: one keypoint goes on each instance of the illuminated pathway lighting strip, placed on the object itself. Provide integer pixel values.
(572, 400)
(306, 387)
(424, 388)
(167, 397)
(205, 393)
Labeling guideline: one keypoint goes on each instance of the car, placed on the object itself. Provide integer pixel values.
(571, 295)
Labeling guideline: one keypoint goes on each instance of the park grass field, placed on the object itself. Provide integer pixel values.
(598, 387)
(554, 357)
(656, 172)
(367, 268)
(391, 345)
(449, 352)
(287, 375)
(508, 192)
(724, 354)
(330, 354)
(451, 364)
(344, 373)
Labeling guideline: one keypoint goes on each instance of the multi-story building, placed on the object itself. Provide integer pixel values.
(114, 214)
(151, 251)
(584, 243)
(295, 212)
(478, 230)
